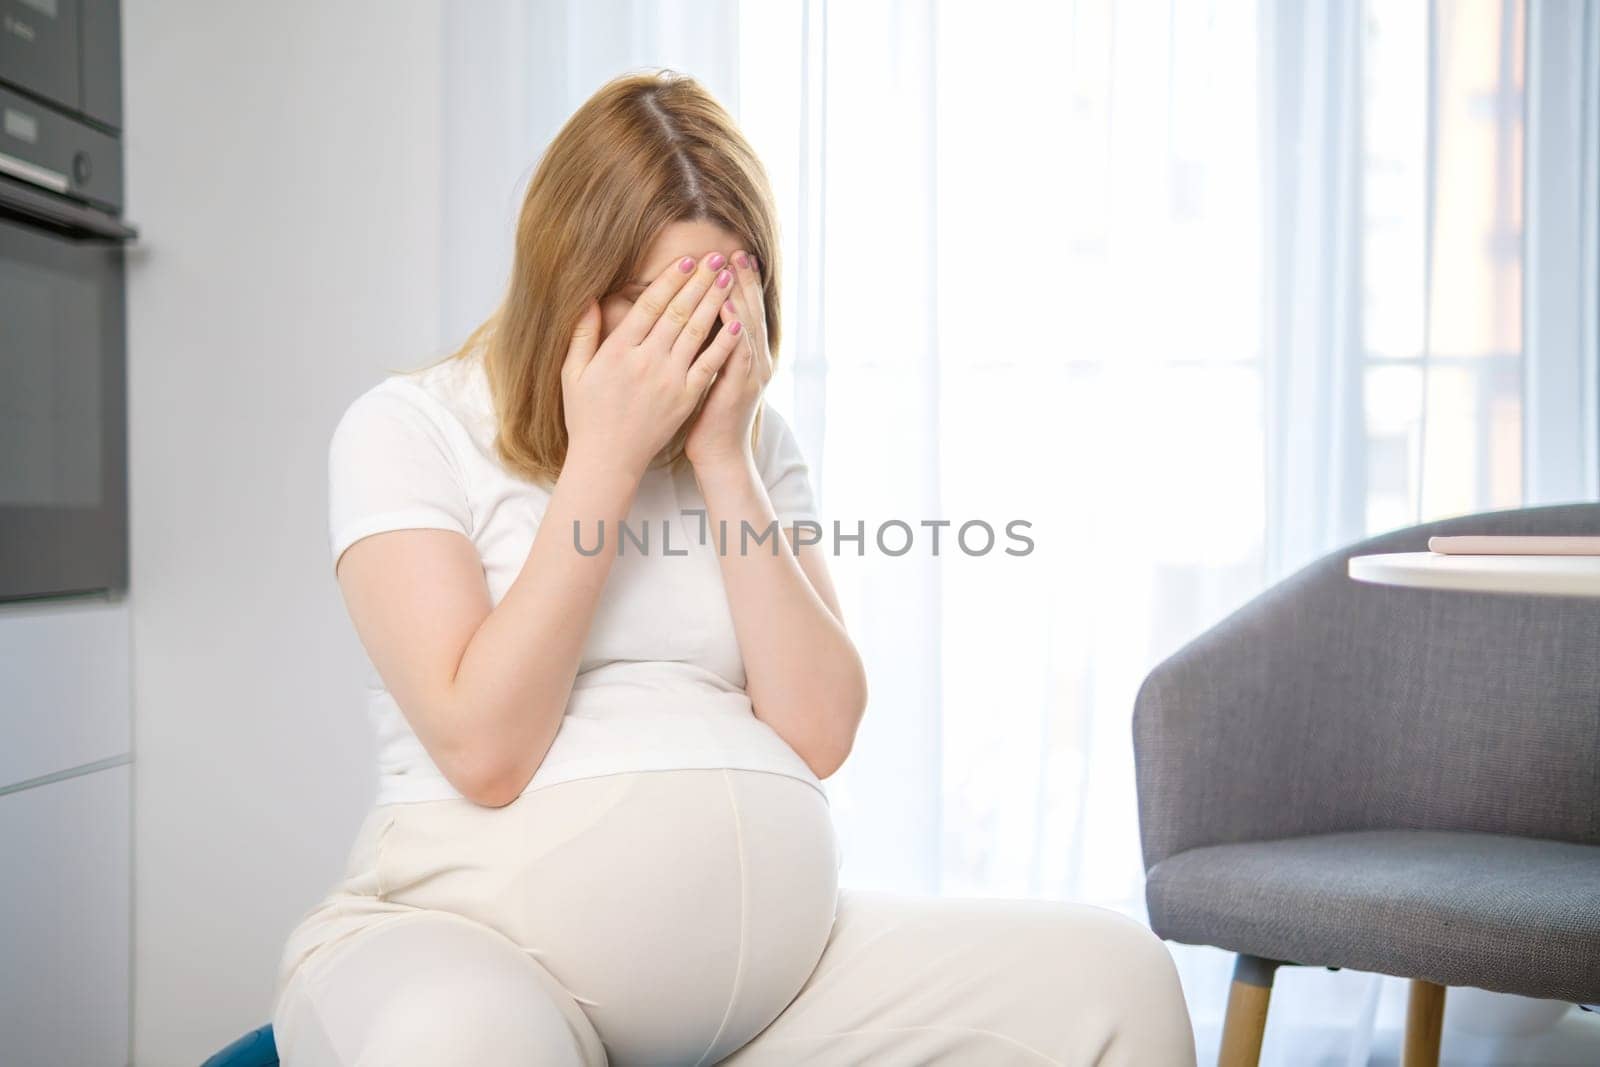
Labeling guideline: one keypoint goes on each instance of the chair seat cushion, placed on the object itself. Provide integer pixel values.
(1512, 914)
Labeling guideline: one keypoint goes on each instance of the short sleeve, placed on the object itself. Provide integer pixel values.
(784, 471)
(390, 468)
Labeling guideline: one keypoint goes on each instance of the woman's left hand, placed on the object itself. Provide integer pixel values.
(720, 434)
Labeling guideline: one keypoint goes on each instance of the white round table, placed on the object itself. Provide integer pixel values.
(1536, 575)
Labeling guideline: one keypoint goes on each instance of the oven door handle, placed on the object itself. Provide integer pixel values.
(78, 220)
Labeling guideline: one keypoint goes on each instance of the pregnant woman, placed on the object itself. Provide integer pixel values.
(605, 701)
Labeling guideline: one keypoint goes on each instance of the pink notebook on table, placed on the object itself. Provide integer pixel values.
(1483, 545)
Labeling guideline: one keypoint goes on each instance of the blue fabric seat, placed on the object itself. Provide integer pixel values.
(255, 1049)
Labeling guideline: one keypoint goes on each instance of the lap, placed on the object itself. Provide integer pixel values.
(918, 980)
(642, 916)
(674, 912)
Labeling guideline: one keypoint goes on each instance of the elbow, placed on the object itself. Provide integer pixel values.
(487, 779)
(491, 765)
(826, 764)
(845, 713)
(493, 793)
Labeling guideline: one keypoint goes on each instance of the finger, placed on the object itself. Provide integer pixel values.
(680, 309)
(738, 307)
(702, 370)
(743, 360)
(703, 318)
(748, 272)
(749, 283)
(654, 300)
(585, 340)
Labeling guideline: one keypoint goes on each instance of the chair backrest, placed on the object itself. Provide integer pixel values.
(1353, 706)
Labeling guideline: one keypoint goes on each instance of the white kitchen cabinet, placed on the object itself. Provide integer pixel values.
(65, 921)
(64, 687)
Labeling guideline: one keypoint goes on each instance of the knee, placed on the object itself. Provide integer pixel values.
(1134, 950)
(469, 1017)
(1141, 996)
(426, 992)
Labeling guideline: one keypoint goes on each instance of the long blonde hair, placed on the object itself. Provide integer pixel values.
(646, 150)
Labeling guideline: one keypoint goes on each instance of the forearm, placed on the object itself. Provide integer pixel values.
(803, 674)
(514, 680)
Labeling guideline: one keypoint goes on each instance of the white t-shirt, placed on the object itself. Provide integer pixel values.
(660, 683)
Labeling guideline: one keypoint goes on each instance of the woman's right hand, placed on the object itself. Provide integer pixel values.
(626, 396)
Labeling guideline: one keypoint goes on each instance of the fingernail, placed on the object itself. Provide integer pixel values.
(727, 305)
(717, 260)
(755, 264)
(724, 278)
(686, 264)
(736, 327)
(741, 259)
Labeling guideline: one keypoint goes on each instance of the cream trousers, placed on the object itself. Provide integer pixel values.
(694, 917)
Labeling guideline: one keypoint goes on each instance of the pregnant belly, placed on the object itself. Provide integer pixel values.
(683, 909)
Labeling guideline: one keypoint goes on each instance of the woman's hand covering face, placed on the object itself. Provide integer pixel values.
(721, 431)
(625, 396)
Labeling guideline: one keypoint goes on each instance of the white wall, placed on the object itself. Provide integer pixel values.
(283, 167)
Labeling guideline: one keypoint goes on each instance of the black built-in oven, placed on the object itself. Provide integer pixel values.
(63, 334)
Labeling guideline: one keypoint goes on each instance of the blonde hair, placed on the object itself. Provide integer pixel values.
(646, 150)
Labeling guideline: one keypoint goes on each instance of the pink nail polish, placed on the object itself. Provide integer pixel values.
(735, 328)
(727, 305)
(741, 259)
(755, 264)
(723, 279)
(716, 261)
(686, 264)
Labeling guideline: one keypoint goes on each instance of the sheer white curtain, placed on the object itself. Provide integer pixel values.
(1198, 290)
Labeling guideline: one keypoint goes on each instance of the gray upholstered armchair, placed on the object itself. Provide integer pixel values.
(1389, 780)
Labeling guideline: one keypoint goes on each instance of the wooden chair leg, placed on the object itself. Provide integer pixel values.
(1424, 1024)
(1246, 1022)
